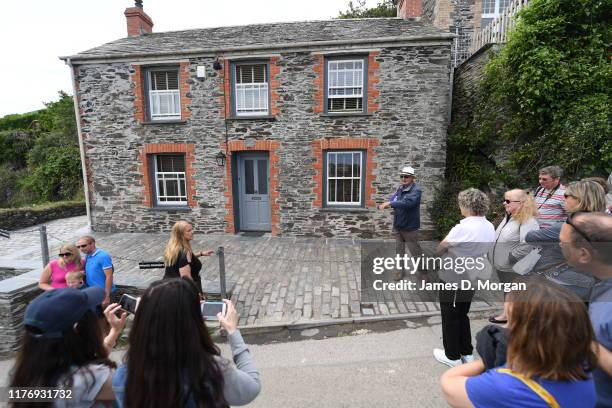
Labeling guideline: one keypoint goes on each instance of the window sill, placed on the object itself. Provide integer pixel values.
(344, 114)
(164, 122)
(169, 208)
(263, 117)
(345, 209)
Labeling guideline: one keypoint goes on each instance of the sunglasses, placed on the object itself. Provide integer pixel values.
(578, 230)
(511, 201)
(82, 246)
(405, 176)
(66, 254)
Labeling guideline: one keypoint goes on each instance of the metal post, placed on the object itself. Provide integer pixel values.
(44, 246)
(221, 253)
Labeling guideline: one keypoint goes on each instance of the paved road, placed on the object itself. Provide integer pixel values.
(364, 369)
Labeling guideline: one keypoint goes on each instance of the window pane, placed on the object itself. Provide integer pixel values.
(170, 163)
(249, 74)
(356, 164)
(249, 177)
(331, 165)
(488, 6)
(172, 188)
(164, 80)
(356, 190)
(344, 191)
(262, 176)
(331, 186)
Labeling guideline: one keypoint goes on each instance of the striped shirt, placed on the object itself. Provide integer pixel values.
(551, 205)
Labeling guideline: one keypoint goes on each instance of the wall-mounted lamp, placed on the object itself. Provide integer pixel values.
(220, 158)
(217, 65)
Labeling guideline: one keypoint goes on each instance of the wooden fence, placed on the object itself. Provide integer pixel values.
(497, 31)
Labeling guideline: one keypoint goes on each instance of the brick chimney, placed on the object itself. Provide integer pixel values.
(409, 8)
(138, 22)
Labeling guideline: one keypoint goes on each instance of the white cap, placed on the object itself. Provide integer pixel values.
(407, 170)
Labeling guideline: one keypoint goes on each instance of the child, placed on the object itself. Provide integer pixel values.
(75, 279)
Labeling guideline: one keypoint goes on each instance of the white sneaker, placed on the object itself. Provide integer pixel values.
(441, 357)
(468, 359)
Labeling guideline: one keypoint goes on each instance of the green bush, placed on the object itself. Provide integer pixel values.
(544, 99)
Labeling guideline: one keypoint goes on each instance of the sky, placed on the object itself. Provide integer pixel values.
(36, 32)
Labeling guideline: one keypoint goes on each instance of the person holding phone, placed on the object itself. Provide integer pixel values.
(180, 260)
(64, 346)
(180, 354)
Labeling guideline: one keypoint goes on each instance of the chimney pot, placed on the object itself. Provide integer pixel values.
(138, 22)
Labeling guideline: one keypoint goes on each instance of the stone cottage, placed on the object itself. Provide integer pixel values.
(298, 129)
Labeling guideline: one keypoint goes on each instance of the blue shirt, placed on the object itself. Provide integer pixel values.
(492, 389)
(94, 268)
(600, 310)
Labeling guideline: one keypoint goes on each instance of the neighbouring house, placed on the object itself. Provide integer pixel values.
(298, 129)
(460, 17)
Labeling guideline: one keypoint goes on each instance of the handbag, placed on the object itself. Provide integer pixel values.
(526, 264)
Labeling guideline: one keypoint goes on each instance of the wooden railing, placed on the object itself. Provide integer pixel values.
(497, 30)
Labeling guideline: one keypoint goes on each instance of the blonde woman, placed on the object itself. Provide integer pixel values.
(580, 196)
(179, 258)
(54, 274)
(510, 245)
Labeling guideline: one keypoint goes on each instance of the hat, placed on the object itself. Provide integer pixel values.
(407, 170)
(56, 311)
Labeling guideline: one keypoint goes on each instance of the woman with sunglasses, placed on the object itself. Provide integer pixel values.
(580, 196)
(54, 274)
(510, 246)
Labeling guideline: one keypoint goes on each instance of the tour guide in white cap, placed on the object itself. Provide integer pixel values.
(406, 203)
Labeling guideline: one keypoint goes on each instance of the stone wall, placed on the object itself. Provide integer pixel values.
(466, 81)
(409, 127)
(12, 219)
(15, 295)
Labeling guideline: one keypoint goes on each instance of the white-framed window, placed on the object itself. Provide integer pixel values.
(170, 179)
(345, 85)
(492, 9)
(344, 181)
(251, 89)
(164, 95)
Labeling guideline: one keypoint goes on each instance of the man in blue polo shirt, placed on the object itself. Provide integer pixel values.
(98, 267)
(586, 242)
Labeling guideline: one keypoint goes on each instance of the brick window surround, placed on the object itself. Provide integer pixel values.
(225, 87)
(373, 93)
(271, 146)
(319, 147)
(140, 98)
(145, 170)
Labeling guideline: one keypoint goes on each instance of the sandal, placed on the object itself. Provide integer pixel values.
(495, 321)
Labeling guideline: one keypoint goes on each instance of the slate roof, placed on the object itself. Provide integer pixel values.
(269, 36)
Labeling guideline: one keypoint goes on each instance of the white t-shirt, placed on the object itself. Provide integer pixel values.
(87, 382)
(472, 238)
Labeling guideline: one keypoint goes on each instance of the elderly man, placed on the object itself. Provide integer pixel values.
(549, 197)
(406, 203)
(586, 241)
(98, 267)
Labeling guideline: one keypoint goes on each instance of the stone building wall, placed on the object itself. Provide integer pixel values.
(409, 127)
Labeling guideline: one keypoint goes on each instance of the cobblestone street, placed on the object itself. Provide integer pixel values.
(274, 280)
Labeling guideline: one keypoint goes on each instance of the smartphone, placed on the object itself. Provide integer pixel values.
(210, 309)
(128, 303)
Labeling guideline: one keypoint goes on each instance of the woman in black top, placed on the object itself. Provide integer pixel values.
(179, 258)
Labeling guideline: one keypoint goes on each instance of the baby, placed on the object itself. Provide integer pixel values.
(75, 280)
